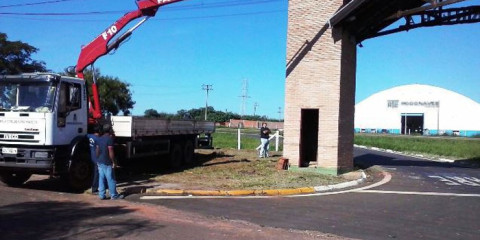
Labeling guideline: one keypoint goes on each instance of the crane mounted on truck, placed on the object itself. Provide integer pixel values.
(44, 118)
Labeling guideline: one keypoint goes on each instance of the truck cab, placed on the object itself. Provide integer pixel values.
(43, 118)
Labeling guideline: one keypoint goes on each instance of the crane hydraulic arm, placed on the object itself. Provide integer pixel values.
(101, 44)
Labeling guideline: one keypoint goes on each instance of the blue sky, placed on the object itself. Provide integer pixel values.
(196, 42)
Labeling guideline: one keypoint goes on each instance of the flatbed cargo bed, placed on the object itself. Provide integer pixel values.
(134, 127)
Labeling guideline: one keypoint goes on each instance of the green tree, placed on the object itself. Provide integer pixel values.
(152, 113)
(219, 116)
(15, 57)
(199, 114)
(115, 95)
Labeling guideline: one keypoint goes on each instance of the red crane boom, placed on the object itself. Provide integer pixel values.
(101, 44)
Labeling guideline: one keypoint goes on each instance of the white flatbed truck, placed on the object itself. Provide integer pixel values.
(44, 122)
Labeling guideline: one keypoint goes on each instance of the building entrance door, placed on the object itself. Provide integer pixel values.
(412, 123)
(308, 137)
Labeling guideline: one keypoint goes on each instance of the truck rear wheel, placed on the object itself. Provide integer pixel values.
(14, 179)
(176, 156)
(188, 152)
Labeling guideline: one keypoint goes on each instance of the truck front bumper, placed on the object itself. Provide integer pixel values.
(39, 159)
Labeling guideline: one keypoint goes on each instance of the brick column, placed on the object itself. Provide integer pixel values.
(321, 65)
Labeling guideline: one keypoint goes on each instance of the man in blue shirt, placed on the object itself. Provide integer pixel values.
(106, 163)
(92, 140)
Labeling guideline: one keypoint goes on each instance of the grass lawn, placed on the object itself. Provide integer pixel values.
(451, 147)
(448, 147)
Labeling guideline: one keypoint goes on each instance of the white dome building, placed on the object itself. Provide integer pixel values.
(418, 109)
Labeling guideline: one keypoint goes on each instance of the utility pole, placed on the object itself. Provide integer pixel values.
(279, 113)
(244, 95)
(255, 105)
(207, 88)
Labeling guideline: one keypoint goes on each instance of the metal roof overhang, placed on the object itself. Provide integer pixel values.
(365, 18)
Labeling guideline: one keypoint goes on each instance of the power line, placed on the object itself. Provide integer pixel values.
(174, 8)
(191, 7)
(222, 15)
(32, 4)
(220, 4)
(155, 19)
(60, 14)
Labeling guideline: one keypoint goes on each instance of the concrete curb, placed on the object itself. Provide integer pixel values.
(266, 192)
(342, 185)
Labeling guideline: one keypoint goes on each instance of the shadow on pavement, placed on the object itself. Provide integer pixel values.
(42, 182)
(471, 163)
(369, 159)
(134, 173)
(68, 220)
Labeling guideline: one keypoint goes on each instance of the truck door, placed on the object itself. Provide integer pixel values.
(71, 115)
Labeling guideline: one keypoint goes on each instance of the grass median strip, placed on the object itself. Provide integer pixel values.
(448, 147)
(229, 170)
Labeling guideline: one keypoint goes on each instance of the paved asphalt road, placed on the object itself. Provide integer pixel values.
(423, 200)
(41, 210)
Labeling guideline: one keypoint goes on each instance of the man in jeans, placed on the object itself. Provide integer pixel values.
(92, 140)
(264, 136)
(106, 164)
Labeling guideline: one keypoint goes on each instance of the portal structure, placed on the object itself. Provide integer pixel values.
(320, 87)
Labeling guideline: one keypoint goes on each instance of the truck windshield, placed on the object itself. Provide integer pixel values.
(27, 96)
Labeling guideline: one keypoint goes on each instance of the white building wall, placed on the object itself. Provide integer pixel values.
(443, 110)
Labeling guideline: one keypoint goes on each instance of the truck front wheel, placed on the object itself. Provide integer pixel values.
(14, 179)
(80, 169)
(80, 174)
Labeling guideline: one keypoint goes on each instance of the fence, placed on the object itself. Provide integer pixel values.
(277, 137)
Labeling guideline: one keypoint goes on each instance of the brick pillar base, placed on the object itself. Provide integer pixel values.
(321, 64)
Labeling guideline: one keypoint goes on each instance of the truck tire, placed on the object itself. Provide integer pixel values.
(80, 169)
(176, 156)
(14, 179)
(188, 152)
